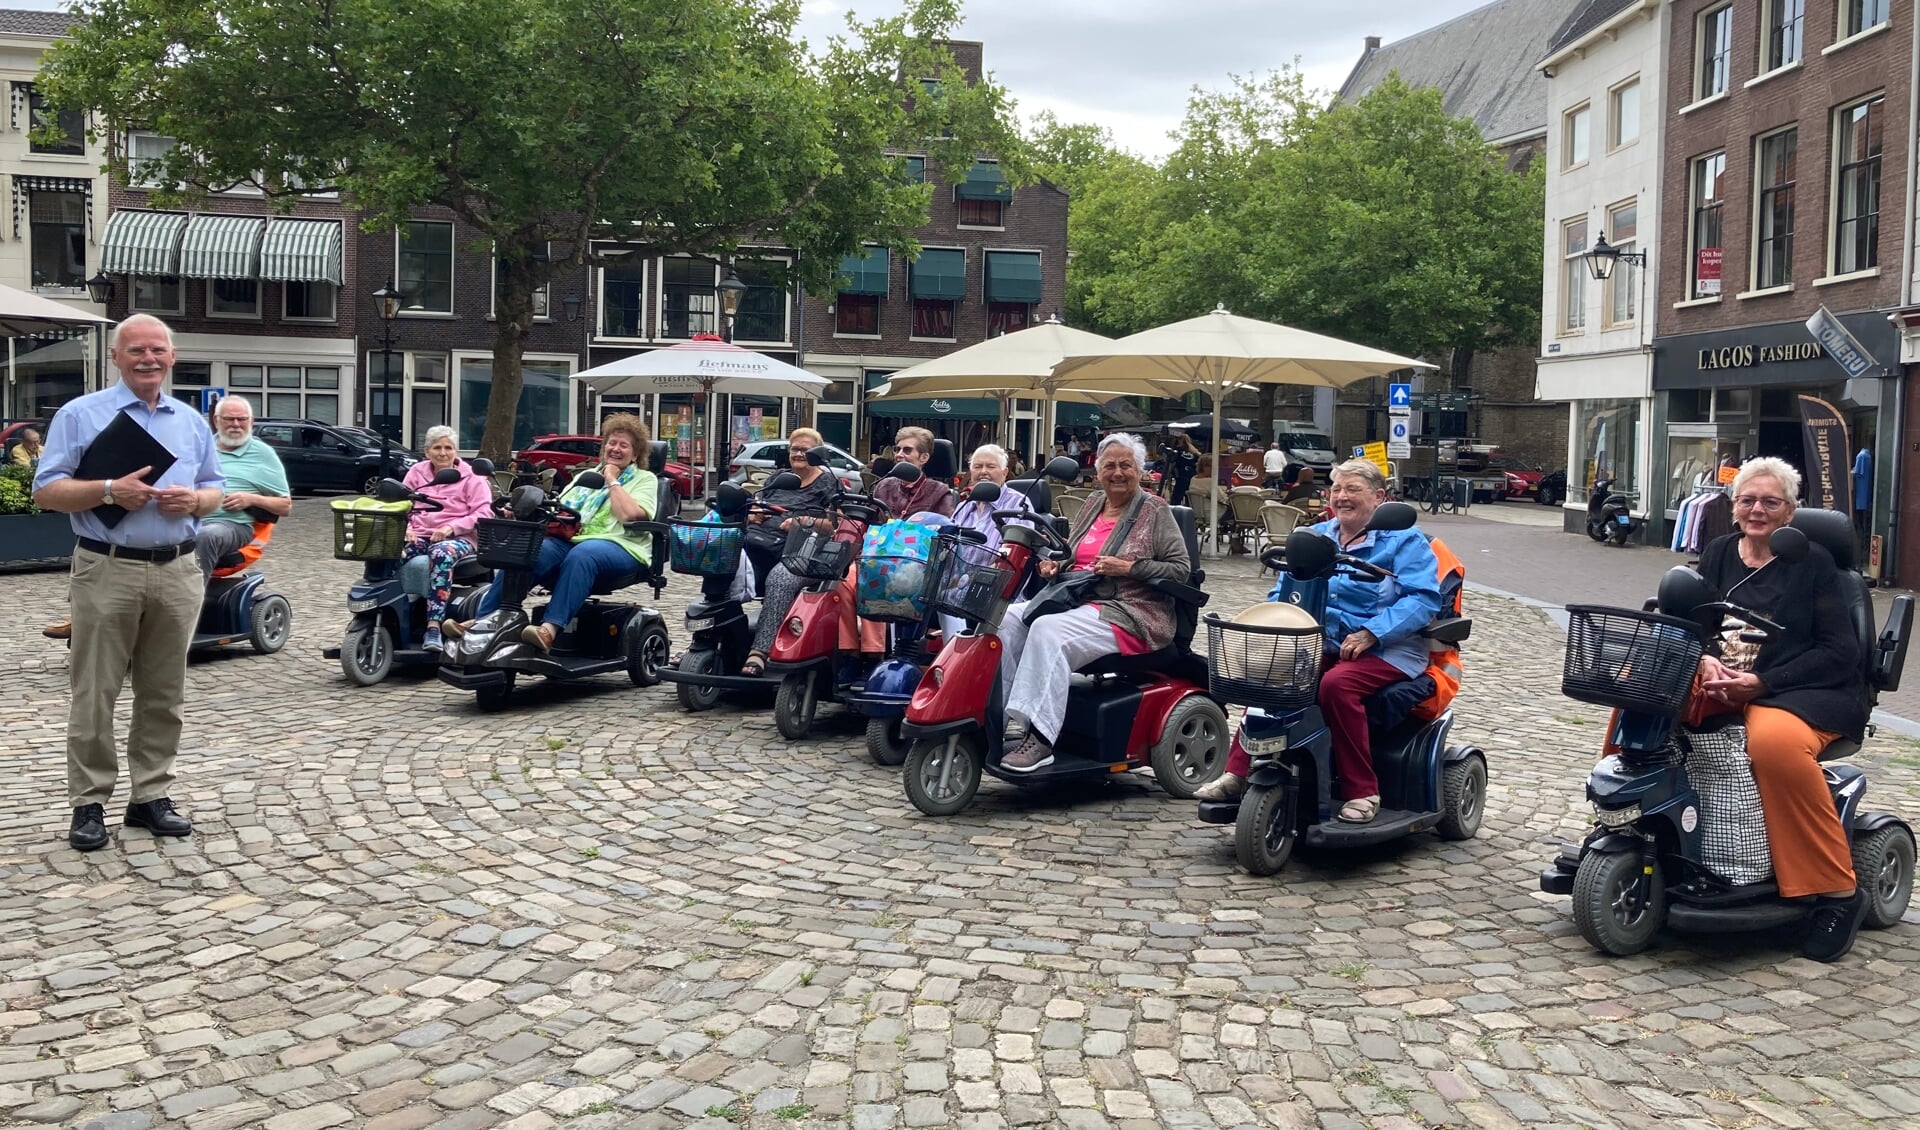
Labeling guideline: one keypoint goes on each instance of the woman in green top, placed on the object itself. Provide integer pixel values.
(602, 550)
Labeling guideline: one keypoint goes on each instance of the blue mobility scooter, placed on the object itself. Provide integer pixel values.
(389, 624)
(1274, 670)
(1655, 855)
(604, 636)
(238, 606)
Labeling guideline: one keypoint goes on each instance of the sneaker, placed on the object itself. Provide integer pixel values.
(1034, 753)
(454, 629)
(433, 642)
(1831, 930)
(1226, 786)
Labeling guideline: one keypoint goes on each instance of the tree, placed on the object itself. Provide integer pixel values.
(685, 125)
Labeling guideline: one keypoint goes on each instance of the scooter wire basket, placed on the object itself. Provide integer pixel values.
(1274, 668)
(813, 554)
(369, 534)
(1640, 661)
(507, 544)
(969, 582)
(705, 549)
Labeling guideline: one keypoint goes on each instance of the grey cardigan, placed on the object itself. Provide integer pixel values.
(1157, 549)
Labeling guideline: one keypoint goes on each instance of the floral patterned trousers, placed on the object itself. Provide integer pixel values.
(441, 557)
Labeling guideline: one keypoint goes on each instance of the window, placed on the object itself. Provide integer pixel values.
(1623, 114)
(1575, 135)
(1856, 198)
(763, 308)
(425, 275)
(982, 213)
(143, 149)
(292, 393)
(914, 170)
(72, 124)
(312, 301)
(544, 398)
(687, 299)
(540, 294)
(1606, 444)
(1713, 52)
(233, 298)
(1857, 16)
(1573, 276)
(58, 238)
(1623, 286)
(1707, 187)
(857, 315)
(157, 295)
(1784, 27)
(933, 317)
(1006, 317)
(623, 291)
(1773, 223)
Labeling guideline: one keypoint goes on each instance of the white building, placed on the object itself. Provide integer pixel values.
(1605, 98)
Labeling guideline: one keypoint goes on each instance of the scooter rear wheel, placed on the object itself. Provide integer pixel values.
(1463, 798)
(942, 779)
(885, 744)
(1192, 749)
(794, 705)
(1264, 832)
(695, 697)
(1883, 866)
(649, 655)
(272, 624)
(1597, 533)
(366, 654)
(1606, 889)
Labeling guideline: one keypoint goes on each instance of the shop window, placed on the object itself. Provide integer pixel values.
(1713, 52)
(856, 315)
(1606, 445)
(1856, 198)
(1774, 180)
(1623, 114)
(688, 303)
(233, 298)
(192, 374)
(425, 275)
(1857, 16)
(1707, 188)
(543, 399)
(58, 238)
(1623, 286)
(1006, 317)
(1576, 134)
(933, 318)
(1573, 276)
(1783, 27)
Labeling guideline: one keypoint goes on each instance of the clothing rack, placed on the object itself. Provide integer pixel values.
(1703, 515)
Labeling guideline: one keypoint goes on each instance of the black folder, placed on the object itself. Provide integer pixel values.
(121, 448)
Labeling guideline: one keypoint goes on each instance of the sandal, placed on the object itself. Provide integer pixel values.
(754, 667)
(1360, 810)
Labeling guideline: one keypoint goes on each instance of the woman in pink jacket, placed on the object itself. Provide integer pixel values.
(440, 539)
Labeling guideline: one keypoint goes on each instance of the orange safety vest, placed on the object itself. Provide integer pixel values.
(250, 552)
(1443, 663)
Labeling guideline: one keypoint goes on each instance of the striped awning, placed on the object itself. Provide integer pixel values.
(222, 247)
(301, 251)
(139, 242)
(25, 186)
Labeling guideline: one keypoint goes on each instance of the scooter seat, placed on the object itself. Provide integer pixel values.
(471, 572)
(1173, 660)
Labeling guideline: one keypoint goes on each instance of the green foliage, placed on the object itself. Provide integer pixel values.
(687, 125)
(16, 490)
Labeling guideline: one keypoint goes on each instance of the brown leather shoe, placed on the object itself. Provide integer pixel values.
(539, 635)
(61, 631)
(454, 629)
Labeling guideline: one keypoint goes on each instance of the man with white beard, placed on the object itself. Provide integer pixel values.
(255, 481)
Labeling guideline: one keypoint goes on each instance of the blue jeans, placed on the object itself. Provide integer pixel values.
(569, 570)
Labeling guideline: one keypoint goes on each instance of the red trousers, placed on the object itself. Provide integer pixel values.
(1344, 689)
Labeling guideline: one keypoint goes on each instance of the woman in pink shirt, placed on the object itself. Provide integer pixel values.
(441, 539)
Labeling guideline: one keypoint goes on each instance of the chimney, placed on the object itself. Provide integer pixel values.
(1373, 43)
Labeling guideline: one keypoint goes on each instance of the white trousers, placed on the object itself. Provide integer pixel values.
(1039, 659)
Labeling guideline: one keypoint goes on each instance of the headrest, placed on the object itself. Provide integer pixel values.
(482, 466)
(1830, 530)
(942, 463)
(1038, 491)
(1189, 532)
(657, 455)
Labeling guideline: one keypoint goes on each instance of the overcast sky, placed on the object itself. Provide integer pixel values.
(1130, 64)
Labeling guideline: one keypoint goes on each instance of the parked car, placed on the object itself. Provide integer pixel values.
(564, 453)
(1523, 480)
(1552, 490)
(1305, 443)
(330, 457)
(765, 455)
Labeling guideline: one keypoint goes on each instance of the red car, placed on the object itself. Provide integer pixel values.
(564, 453)
(1522, 481)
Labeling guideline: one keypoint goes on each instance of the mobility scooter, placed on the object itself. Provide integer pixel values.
(1123, 712)
(1274, 670)
(1656, 857)
(605, 636)
(238, 606)
(389, 625)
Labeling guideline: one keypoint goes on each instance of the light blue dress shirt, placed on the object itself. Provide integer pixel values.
(1395, 609)
(177, 427)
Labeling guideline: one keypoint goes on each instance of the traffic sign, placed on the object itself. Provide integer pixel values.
(1398, 437)
(210, 397)
(1399, 398)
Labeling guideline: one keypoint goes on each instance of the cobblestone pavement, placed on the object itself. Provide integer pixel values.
(595, 911)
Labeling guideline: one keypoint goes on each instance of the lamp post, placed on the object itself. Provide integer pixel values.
(389, 303)
(731, 290)
(1602, 257)
(100, 288)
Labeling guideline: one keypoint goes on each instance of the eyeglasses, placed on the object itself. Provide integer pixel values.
(234, 419)
(906, 449)
(1752, 501)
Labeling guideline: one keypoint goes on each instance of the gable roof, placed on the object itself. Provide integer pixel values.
(1481, 62)
(24, 21)
(1586, 17)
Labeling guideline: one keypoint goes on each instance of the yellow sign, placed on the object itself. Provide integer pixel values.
(1376, 453)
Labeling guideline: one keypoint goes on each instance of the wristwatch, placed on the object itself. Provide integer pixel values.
(106, 493)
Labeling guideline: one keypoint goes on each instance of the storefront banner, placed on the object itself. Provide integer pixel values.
(1840, 345)
(1824, 431)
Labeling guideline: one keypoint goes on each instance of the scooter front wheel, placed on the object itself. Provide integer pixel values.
(794, 705)
(695, 697)
(942, 774)
(492, 700)
(1619, 903)
(366, 654)
(885, 744)
(1263, 834)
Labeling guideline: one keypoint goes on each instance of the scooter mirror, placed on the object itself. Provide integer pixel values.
(1063, 468)
(482, 466)
(908, 473)
(1393, 516)
(592, 480)
(785, 480)
(731, 500)
(1788, 544)
(392, 490)
(447, 476)
(984, 492)
(1681, 591)
(817, 457)
(1310, 555)
(525, 500)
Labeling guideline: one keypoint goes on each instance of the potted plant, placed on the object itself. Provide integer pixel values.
(28, 533)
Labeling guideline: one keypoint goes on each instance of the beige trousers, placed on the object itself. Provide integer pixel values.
(130, 619)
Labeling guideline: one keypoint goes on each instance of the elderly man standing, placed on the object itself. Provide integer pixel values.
(135, 590)
(255, 481)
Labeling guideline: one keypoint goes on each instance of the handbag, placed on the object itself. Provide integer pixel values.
(1077, 588)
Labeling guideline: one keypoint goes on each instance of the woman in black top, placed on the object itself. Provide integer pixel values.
(1183, 459)
(1797, 692)
(811, 502)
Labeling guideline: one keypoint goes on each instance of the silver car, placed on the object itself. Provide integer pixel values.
(762, 457)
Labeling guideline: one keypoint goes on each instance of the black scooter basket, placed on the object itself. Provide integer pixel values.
(1640, 661)
(506, 544)
(1273, 668)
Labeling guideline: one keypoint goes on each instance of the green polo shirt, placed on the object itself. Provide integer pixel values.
(255, 468)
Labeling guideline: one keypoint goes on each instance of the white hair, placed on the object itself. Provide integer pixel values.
(1769, 467)
(1366, 470)
(1127, 440)
(240, 400)
(142, 320)
(991, 451)
(437, 433)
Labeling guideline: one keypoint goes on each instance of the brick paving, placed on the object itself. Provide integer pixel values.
(595, 911)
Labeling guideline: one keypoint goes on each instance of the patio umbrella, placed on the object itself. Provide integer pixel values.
(888, 392)
(709, 366)
(1218, 351)
(25, 314)
(1228, 428)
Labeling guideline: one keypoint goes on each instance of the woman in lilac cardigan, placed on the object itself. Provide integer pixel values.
(437, 540)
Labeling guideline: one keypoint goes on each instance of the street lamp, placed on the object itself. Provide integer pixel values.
(1602, 256)
(100, 288)
(388, 300)
(731, 291)
(570, 305)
